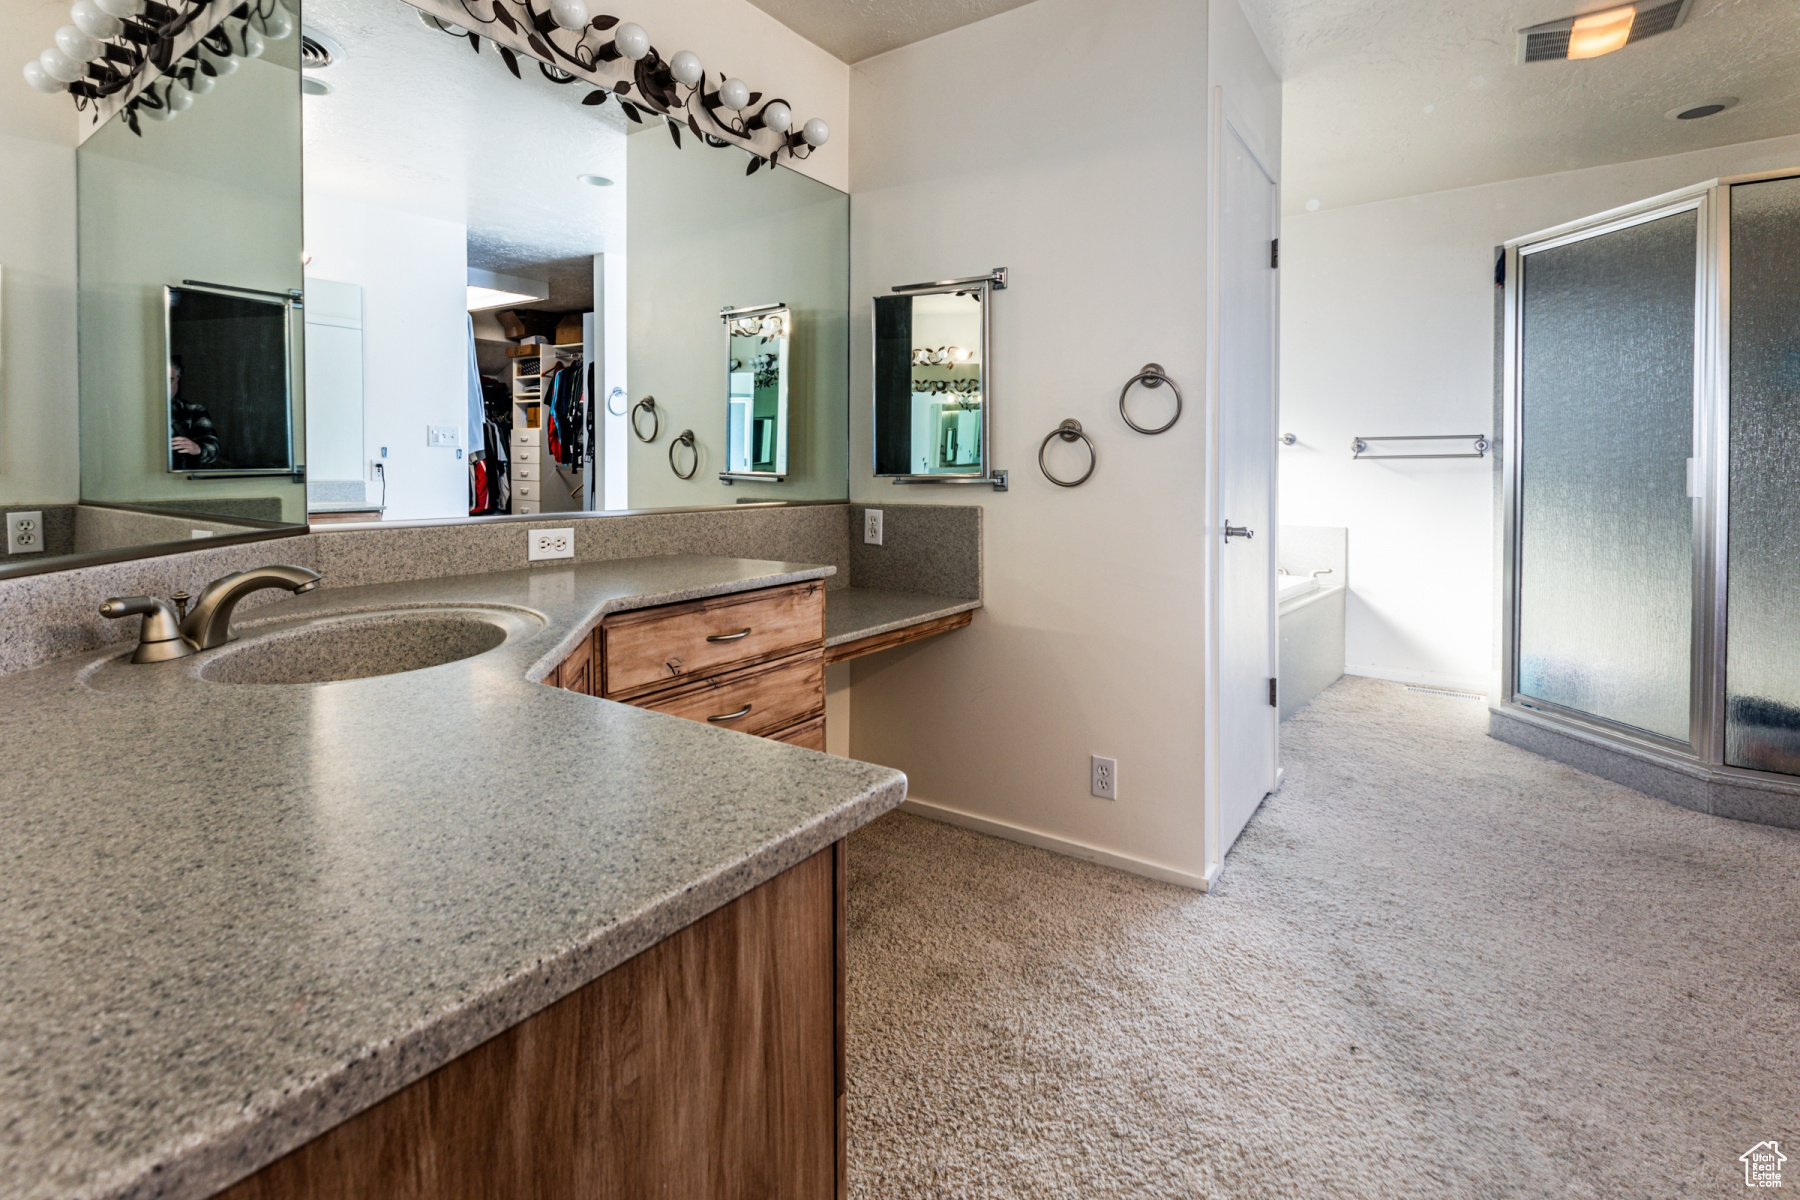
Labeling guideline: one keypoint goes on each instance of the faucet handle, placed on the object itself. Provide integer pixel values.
(159, 638)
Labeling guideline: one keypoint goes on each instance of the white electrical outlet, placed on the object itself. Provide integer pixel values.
(440, 435)
(24, 533)
(550, 543)
(872, 526)
(1105, 777)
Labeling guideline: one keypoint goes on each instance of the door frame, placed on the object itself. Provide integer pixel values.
(1219, 127)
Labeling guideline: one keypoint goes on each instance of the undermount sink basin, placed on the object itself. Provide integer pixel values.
(362, 645)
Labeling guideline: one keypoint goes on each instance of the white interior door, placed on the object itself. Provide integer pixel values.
(1247, 716)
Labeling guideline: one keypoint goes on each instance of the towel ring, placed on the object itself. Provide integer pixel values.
(620, 392)
(647, 404)
(1068, 431)
(686, 438)
(1152, 376)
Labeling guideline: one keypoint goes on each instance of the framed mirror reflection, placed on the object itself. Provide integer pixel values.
(756, 403)
(931, 387)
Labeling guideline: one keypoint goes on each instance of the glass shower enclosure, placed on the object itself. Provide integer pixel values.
(1651, 456)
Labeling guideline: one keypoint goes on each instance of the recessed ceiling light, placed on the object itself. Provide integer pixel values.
(1593, 34)
(314, 87)
(594, 180)
(1702, 108)
(319, 50)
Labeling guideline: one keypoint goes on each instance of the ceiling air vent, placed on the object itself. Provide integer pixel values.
(313, 55)
(1601, 32)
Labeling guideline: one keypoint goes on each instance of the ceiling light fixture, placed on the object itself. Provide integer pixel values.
(490, 290)
(1602, 32)
(594, 180)
(1593, 34)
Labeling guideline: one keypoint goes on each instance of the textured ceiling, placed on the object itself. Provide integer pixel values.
(1386, 98)
(417, 121)
(853, 30)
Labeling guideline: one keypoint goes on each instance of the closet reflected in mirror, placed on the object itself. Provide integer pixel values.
(931, 402)
(504, 271)
(756, 405)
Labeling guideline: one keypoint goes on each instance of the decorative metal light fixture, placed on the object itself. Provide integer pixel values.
(128, 49)
(571, 46)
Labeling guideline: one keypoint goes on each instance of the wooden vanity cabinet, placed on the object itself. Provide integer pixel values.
(751, 661)
(711, 1065)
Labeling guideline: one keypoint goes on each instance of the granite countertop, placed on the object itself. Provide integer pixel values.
(854, 613)
(237, 915)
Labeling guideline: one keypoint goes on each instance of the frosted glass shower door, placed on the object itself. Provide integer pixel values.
(1762, 649)
(1606, 418)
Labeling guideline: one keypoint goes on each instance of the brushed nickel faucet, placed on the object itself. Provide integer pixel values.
(169, 634)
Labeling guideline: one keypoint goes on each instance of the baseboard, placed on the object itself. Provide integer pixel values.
(1480, 685)
(1047, 841)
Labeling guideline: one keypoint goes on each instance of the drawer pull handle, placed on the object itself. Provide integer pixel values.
(742, 712)
(729, 637)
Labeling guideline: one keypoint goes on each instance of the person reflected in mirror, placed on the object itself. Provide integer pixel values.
(192, 438)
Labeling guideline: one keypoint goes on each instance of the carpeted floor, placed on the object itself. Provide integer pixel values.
(1435, 965)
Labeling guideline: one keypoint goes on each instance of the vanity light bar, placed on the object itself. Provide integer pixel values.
(995, 277)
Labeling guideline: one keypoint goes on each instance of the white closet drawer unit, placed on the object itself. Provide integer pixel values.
(528, 472)
(527, 491)
(526, 454)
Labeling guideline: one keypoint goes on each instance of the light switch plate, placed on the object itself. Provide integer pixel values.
(550, 543)
(440, 435)
(872, 526)
(25, 533)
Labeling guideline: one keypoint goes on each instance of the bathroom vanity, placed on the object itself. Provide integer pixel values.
(286, 928)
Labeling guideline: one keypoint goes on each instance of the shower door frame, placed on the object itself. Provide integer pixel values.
(1706, 643)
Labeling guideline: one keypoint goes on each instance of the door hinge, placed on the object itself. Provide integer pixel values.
(1272, 701)
(1274, 253)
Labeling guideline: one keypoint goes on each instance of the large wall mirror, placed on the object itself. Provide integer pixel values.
(373, 275)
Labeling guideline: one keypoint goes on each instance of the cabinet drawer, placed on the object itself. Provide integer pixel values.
(525, 508)
(809, 734)
(526, 454)
(659, 647)
(526, 472)
(525, 490)
(759, 699)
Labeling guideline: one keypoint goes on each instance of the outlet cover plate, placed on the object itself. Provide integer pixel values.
(872, 526)
(25, 533)
(549, 543)
(1103, 777)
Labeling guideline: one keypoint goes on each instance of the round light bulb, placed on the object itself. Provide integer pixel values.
(570, 14)
(631, 40)
(77, 45)
(275, 24)
(686, 68)
(778, 116)
(224, 64)
(734, 94)
(200, 84)
(41, 79)
(178, 99)
(94, 21)
(60, 66)
(247, 42)
(120, 8)
(771, 325)
(816, 132)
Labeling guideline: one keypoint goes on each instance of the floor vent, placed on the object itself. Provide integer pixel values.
(1446, 692)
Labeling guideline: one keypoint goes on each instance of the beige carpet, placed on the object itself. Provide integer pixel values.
(1436, 965)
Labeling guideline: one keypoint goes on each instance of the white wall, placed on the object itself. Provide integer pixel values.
(1388, 328)
(38, 420)
(39, 459)
(1092, 637)
(414, 273)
